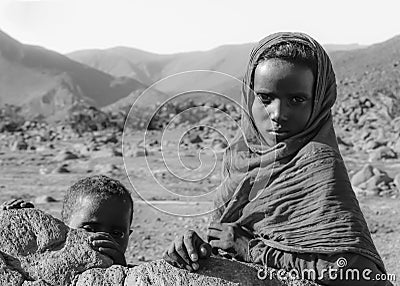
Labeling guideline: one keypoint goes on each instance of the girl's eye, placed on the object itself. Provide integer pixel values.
(297, 100)
(118, 234)
(89, 228)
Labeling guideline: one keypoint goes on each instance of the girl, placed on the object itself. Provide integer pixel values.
(287, 201)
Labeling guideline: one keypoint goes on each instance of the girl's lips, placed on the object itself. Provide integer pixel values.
(278, 131)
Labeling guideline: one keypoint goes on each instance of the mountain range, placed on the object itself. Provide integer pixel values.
(47, 83)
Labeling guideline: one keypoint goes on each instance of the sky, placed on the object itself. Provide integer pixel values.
(171, 26)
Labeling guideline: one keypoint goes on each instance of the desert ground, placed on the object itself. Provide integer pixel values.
(165, 205)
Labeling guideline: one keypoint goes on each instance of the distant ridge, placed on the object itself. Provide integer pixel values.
(47, 83)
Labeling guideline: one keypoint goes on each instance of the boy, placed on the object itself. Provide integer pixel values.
(97, 204)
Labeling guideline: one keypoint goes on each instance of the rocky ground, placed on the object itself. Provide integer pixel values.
(38, 164)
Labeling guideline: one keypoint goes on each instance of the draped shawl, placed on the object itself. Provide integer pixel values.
(295, 195)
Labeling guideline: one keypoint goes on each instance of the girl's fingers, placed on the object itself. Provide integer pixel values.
(191, 240)
(173, 257)
(216, 234)
(220, 244)
(215, 225)
(180, 249)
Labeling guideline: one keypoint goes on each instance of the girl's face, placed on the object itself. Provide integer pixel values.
(284, 97)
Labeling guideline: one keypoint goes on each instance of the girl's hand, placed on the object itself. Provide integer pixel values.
(186, 250)
(230, 238)
(16, 204)
(105, 244)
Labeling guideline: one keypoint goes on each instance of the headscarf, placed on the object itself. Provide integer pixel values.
(295, 195)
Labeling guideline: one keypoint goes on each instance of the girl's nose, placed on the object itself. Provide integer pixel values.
(278, 111)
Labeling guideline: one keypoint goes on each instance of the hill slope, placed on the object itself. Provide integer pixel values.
(46, 83)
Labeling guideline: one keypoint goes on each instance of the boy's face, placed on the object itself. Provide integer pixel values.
(284, 99)
(111, 216)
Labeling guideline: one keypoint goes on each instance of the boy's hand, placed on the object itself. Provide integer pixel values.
(185, 251)
(16, 204)
(105, 244)
(230, 238)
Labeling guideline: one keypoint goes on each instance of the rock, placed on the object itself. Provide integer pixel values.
(195, 138)
(382, 152)
(106, 153)
(44, 199)
(37, 249)
(375, 182)
(214, 271)
(137, 151)
(44, 171)
(362, 176)
(41, 148)
(396, 145)
(342, 142)
(82, 149)
(61, 169)
(65, 155)
(141, 152)
(19, 145)
(371, 145)
(396, 181)
(105, 168)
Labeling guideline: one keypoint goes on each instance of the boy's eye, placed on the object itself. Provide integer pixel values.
(118, 234)
(265, 99)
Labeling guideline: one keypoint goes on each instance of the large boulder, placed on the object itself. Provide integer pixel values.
(37, 249)
(34, 246)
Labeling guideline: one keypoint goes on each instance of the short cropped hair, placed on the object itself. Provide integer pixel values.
(99, 186)
(294, 52)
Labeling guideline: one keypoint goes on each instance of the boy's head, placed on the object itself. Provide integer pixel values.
(99, 204)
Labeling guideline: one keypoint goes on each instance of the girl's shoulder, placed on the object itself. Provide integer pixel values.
(315, 148)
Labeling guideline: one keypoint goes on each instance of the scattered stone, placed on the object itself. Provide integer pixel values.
(195, 138)
(141, 152)
(44, 171)
(105, 168)
(41, 148)
(61, 169)
(341, 142)
(19, 145)
(44, 199)
(106, 153)
(65, 155)
(362, 176)
(371, 145)
(396, 181)
(382, 152)
(396, 146)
